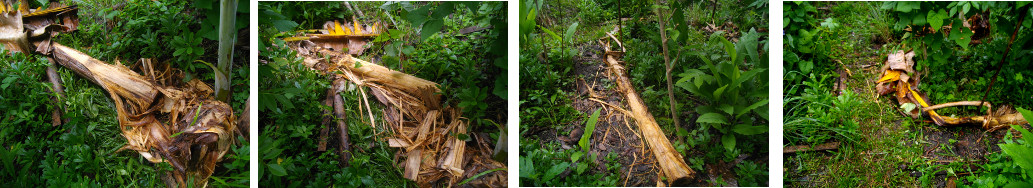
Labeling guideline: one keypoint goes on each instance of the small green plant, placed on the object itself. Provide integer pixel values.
(820, 116)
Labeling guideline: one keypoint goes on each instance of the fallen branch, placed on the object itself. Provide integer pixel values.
(671, 162)
(803, 148)
(55, 82)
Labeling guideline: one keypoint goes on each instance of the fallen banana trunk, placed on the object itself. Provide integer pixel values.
(896, 79)
(671, 161)
(200, 129)
(427, 134)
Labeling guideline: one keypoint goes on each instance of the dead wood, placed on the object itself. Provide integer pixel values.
(671, 162)
(344, 146)
(327, 119)
(55, 82)
(804, 148)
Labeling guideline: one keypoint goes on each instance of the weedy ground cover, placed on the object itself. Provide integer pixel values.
(831, 95)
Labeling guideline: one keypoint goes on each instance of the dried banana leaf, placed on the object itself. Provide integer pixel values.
(337, 36)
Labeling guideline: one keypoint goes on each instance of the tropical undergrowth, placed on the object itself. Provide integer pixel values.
(84, 150)
(419, 38)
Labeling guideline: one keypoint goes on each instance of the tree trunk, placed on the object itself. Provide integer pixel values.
(671, 162)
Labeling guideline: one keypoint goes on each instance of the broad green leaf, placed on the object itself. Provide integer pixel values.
(936, 18)
(712, 117)
(418, 16)
(1018, 185)
(745, 129)
(729, 48)
(569, 35)
(430, 28)
(589, 128)
(277, 170)
(527, 167)
(555, 170)
(806, 66)
(728, 140)
(574, 157)
(554, 35)
(443, 10)
(751, 107)
(284, 25)
(719, 91)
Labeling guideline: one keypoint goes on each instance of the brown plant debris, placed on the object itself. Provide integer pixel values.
(671, 162)
(176, 123)
(425, 133)
(897, 79)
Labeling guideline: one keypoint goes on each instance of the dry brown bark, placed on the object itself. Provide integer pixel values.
(671, 161)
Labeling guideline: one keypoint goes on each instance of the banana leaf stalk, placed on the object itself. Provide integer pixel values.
(227, 38)
(896, 79)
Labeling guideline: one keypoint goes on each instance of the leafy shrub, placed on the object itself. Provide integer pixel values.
(547, 165)
(734, 96)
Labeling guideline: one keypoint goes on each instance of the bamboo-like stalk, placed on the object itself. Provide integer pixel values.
(671, 162)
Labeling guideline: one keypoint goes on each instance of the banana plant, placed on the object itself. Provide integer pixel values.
(731, 93)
